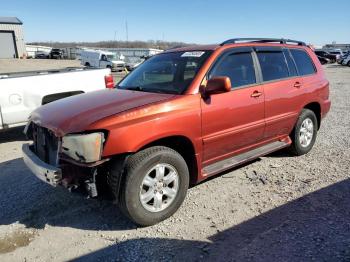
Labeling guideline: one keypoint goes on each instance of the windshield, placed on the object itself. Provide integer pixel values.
(166, 73)
(335, 52)
(111, 57)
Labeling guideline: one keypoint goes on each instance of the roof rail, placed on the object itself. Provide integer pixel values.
(262, 40)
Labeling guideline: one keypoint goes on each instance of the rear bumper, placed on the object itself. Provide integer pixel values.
(45, 172)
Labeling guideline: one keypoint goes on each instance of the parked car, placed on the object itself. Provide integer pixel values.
(21, 93)
(346, 60)
(323, 60)
(338, 52)
(56, 53)
(131, 67)
(343, 57)
(179, 118)
(41, 55)
(101, 59)
(322, 53)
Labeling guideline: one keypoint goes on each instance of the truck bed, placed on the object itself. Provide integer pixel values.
(22, 92)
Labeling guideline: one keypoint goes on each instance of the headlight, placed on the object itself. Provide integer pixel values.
(84, 148)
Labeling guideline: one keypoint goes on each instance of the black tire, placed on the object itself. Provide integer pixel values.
(296, 148)
(348, 63)
(136, 168)
(87, 64)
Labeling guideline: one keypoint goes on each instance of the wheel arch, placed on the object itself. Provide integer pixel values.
(184, 146)
(316, 108)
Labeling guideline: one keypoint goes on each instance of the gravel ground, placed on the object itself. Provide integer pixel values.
(278, 208)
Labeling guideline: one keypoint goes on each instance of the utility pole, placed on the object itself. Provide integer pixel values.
(115, 35)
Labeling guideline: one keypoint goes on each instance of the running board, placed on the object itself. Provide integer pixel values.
(228, 163)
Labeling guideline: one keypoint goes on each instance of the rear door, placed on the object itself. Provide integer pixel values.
(233, 120)
(283, 90)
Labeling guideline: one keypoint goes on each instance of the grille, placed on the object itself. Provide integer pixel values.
(45, 145)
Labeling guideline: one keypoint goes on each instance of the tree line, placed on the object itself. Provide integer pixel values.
(115, 44)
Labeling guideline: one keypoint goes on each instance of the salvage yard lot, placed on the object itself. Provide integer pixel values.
(276, 208)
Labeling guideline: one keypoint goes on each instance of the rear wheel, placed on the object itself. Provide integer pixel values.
(155, 185)
(348, 63)
(304, 133)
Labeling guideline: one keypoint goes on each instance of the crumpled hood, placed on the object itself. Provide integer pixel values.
(76, 113)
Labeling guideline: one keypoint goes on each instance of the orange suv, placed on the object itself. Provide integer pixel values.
(180, 117)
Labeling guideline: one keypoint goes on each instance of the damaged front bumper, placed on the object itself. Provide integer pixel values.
(45, 172)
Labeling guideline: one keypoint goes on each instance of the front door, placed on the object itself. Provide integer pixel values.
(234, 120)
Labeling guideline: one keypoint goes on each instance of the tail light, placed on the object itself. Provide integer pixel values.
(109, 81)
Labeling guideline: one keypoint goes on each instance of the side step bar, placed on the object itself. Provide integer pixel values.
(228, 163)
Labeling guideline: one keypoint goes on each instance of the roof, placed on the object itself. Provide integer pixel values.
(192, 48)
(10, 20)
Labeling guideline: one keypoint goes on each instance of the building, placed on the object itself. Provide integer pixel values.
(11, 38)
(343, 47)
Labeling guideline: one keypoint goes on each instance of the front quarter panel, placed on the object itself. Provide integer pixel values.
(133, 129)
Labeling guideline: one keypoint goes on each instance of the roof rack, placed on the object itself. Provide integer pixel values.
(262, 40)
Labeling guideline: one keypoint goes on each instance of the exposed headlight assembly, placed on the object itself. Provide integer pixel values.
(85, 148)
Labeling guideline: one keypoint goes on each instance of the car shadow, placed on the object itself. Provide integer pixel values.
(26, 199)
(282, 153)
(315, 227)
(12, 135)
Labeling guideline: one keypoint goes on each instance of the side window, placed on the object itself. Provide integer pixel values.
(303, 61)
(290, 63)
(273, 65)
(239, 67)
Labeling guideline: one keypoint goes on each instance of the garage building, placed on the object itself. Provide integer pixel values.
(11, 38)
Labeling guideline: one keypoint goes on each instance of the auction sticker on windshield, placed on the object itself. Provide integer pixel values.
(193, 54)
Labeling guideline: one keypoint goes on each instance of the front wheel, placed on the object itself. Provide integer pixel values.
(155, 185)
(304, 133)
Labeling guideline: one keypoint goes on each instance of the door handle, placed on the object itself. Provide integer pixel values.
(256, 94)
(297, 84)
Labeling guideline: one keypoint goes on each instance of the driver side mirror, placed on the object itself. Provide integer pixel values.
(217, 85)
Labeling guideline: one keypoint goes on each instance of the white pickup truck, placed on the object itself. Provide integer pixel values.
(21, 93)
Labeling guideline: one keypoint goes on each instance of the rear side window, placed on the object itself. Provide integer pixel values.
(303, 62)
(273, 65)
(239, 67)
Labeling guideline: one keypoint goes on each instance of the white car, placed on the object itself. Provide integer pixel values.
(338, 52)
(101, 59)
(346, 60)
(21, 93)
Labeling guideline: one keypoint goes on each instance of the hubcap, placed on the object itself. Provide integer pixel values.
(306, 132)
(159, 187)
